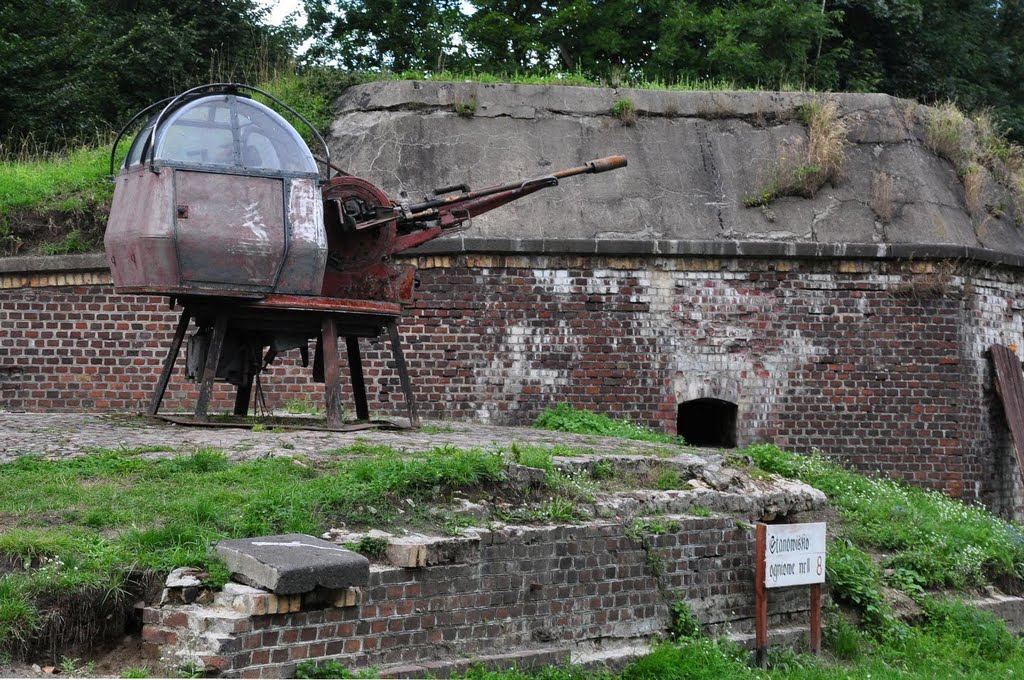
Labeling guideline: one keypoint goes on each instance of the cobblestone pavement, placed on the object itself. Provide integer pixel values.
(61, 435)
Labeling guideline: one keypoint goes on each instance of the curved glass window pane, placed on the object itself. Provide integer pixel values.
(199, 133)
(135, 152)
(232, 132)
(267, 142)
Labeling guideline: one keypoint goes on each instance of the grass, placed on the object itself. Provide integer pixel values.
(565, 418)
(73, 183)
(302, 407)
(971, 143)
(73, 242)
(946, 132)
(87, 523)
(823, 161)
(369, 546)
(625, 111)
(436, 429)
(928, 538)
(466, 109)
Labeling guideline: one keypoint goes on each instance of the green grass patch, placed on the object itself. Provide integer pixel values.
(369, 546)
(85, 523)
(436, 429)
(929, 538)
(302, 407)
(72, 181)
(565, 418)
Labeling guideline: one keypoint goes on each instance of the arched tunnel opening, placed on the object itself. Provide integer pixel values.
(707, 422)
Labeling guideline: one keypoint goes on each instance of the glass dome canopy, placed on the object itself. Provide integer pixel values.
(224, 132)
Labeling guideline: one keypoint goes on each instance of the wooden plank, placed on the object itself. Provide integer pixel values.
(816, 618)
(403, 373)
(355, 365)
(1010, 388)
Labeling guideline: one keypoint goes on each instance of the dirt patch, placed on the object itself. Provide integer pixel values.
(106, 661)
(27, 232)
(74, 624)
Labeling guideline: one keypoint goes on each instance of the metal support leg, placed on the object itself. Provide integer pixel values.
(403, 373)
(355, 365)
(220, 327)
(172, 356)
(332, 385)
(318, 361)
(242, 397)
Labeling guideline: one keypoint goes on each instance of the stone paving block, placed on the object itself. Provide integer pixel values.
(291, 564)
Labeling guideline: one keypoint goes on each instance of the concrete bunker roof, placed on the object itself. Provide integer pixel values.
(694, 157)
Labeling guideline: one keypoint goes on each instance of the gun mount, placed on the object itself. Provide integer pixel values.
(222, 207)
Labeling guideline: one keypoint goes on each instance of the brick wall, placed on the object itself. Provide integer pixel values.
(877, 361)
(534, 591)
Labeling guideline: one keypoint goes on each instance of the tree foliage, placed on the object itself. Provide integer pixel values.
(72, 66)
(971, 51)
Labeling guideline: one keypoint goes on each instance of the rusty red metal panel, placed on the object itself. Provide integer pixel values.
(139, 239)
(1010, 388)
(234, 232)
(303, 270)
(329, 304)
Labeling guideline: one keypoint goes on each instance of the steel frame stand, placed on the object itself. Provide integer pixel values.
(330, 324)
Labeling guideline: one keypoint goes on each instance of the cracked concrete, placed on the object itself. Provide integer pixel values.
(693, 156)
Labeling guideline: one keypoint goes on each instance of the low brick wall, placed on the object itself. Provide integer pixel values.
(541, 593)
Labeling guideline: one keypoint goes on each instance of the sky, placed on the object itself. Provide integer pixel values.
(280, 9)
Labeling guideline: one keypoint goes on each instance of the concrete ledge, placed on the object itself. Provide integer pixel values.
(51, 263)
(1009, 608)
(618, 247)
(752, 249)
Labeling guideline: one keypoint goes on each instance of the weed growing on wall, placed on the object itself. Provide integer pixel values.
(369, 546)
(972, 144)
(467, 108)
(823, 161)
(625, 111)
(684, 623)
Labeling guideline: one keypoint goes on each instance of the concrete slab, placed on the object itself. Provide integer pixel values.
(293, 563)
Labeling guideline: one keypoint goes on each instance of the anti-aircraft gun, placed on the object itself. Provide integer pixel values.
(221, 206)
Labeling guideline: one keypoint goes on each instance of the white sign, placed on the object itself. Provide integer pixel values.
(794, 554)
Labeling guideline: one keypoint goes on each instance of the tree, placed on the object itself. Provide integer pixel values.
(72, 66)
(395, 35)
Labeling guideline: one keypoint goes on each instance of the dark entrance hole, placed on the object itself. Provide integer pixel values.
(707, 422)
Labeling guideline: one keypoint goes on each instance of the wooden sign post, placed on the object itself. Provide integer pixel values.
(787, 555)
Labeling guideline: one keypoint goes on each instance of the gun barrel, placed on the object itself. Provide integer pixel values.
(591, 167)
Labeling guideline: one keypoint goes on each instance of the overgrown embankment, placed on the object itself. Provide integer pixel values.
(91, 533)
